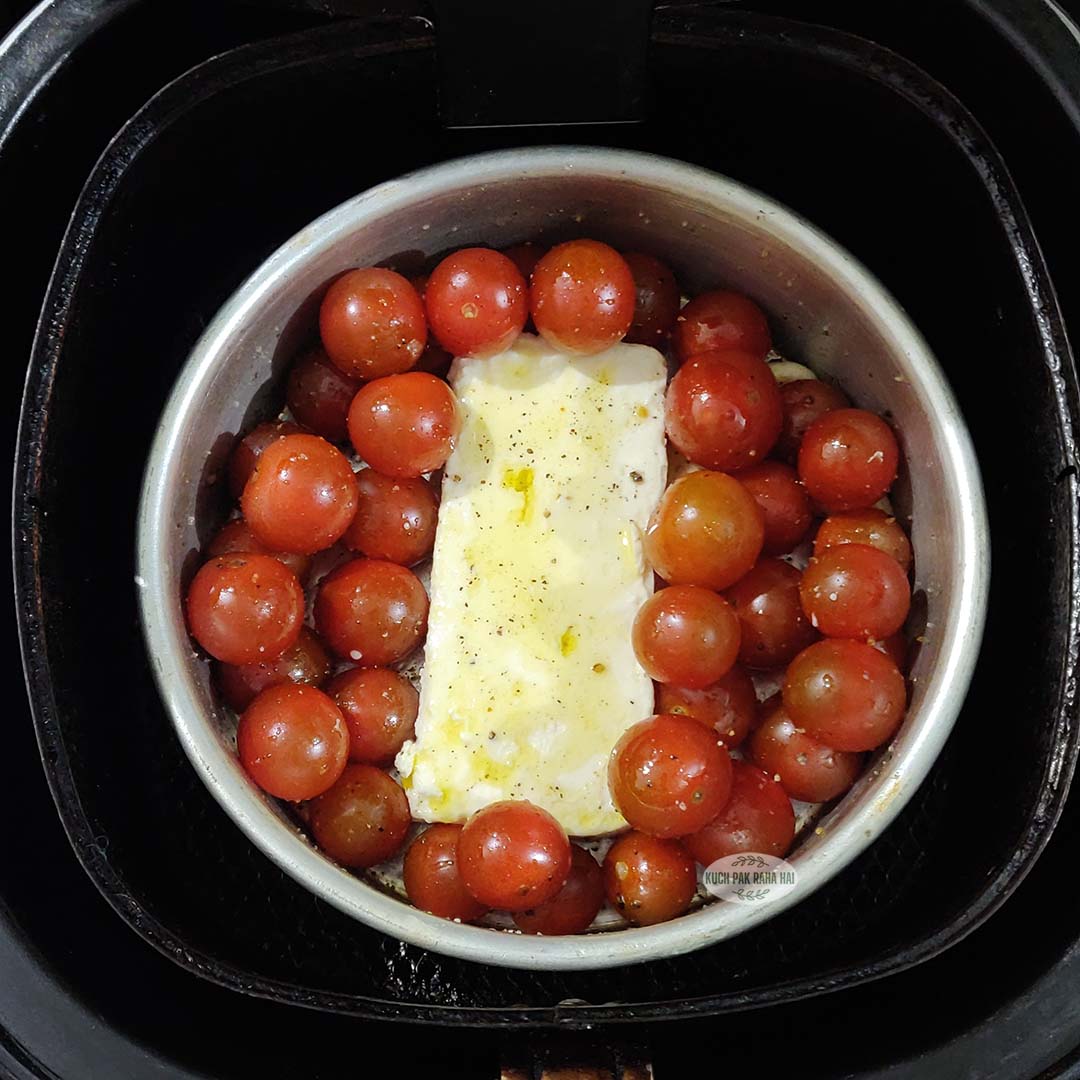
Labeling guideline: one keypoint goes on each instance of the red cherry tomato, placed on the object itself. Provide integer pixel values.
(305, 662)
(855, 591)
(582, 296)
(846, 694)
(848, 459)
(319, 395)
(669, 775)
(784, 504)
(513, 855)
(656, 303)
(432, 877)
(249, 449)
(773, 626)
(363, 819)
(728, 706)
(706, 531)
(572, 909)
(476, 302)
(372, 612)
(236, 537)
(872, 527)
(245, 608)
(301, 496)
(809, 770)
(687, 635)
(379, 707)
(648, 880)
(525, 257)
(292, 741)
(759, 818)
(722, 410)
(721, 320)
(372, 323)
(404, 425)
(804, 400)
(395, 518)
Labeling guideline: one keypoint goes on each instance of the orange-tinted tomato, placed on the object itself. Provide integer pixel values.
(363, 819)
(872, 527)
(379, 707)
(784, 504)
(648, 880)
(236, 536)
(319, 395)
(848, 459)
(432, 877)
(728, 706)
(656, 299)
(855, 591)
(395, 518)
(772, 623)
(572, 909)
(804, 400)
(721, 319)
(249, 449)
(304, 662)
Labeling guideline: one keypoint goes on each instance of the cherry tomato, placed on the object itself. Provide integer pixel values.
(513, 855)
(804, 400)
(895, 647)
(245, 608)
(759, 818)
(721, 320)
(849, 695)
(432, 877)
(372, 323)
(872, 527)
(848, 459)
(784, 504)
(687, 635)
(572, 909)
(648, 880)
(371, 611)
(236, 536)
(476, 302)
(773, 626)
(809, 770)
(582, 296)
(395, 518)
(855, 591)
(404, 425)
(305, 662)
(656, 303)
(728, 706)
(319, 395)
(707, 531)
(525, 257)
(722, 410)
(669, 775)
(292, 741)
(249, 449)
(363, 819)
(379, 707)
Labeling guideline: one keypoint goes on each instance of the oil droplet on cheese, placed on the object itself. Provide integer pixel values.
(521, 480)
(568, 642)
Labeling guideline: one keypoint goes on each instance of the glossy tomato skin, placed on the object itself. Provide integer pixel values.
(236, 537)
(855, 591)
(319, 395)
(432, 876)
(784, 504)
(306, 662)
(848, 695)
(395, 518)
(363, 819)
(807, 768)
(572, 909)
(371, 612)
(656, 304)
(687, 635)
(245, 608)
(723, 411)
(727, 706)
(404, 425)
(248, 450)
(803, 401)
(758, 818)
(669, 775)
(476, 302)
(301, 496)
(872, 527)
(773, 626)
(292, 741)
(721, 319)
(582, 296)
(648, 880)
(513, 855)
(848, 459)
(707, 530)
(372, 323)
(379, 707)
